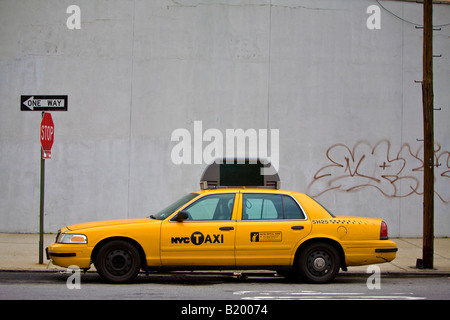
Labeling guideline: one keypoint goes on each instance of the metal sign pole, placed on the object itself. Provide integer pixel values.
(41, 211)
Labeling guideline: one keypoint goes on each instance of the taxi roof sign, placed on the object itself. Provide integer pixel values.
(239, 173)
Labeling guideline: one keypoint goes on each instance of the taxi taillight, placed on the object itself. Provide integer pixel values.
(384, 231)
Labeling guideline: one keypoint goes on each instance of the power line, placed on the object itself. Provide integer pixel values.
(410, 22)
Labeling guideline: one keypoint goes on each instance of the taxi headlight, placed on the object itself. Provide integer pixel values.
(72, 238)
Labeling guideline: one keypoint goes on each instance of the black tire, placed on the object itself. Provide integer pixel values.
(319, 263)
(118, 261)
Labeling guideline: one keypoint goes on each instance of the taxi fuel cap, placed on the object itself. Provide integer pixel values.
(240, 172)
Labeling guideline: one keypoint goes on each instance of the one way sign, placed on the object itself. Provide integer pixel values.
(43, 103)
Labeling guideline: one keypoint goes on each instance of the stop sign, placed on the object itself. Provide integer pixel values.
(47, 134)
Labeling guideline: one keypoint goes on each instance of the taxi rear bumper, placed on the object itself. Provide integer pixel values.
(386, 250)
(370, 252)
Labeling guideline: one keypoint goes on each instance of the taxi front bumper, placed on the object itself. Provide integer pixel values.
(65, 255)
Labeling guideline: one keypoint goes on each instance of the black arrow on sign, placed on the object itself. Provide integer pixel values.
(43, 103)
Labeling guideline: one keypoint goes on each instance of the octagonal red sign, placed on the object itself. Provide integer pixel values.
(47, 135)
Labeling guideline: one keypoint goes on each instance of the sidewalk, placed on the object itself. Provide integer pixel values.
(20, 252)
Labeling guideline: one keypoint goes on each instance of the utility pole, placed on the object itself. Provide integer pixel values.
(428, 121)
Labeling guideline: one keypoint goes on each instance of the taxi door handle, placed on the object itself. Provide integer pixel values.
(226, 228)
(297, 227)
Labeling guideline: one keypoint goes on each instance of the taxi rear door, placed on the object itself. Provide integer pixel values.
(269, 229)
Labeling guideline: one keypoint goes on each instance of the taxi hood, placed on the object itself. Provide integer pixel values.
(107, 223)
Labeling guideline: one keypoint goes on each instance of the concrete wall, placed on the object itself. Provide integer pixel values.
(342, 96)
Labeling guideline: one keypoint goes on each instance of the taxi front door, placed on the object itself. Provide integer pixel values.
(206, 237)
(269, 230)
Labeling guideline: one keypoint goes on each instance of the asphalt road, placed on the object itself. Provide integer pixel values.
(187, 286)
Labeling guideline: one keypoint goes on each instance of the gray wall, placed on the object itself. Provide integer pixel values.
(342, 96)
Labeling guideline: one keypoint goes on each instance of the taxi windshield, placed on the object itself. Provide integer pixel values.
(164, 213)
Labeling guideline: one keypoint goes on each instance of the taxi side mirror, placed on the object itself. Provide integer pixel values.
(181, 216)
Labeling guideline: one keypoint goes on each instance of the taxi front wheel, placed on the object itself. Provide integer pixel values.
(319, 263)
(118, 262)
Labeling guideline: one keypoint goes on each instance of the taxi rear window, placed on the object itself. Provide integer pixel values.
(332, 215)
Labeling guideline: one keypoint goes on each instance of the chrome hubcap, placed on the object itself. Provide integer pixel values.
(319, 263)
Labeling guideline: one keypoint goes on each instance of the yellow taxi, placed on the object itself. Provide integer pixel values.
(224, 229)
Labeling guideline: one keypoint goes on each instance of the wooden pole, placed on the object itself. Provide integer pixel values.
(427, 96)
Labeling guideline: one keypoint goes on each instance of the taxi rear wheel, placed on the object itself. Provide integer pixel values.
(118, 262)
(319, 263)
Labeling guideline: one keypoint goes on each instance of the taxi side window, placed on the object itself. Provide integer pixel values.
(213, 207)
(291, 209)
(262, 206)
